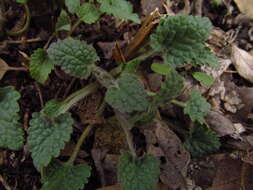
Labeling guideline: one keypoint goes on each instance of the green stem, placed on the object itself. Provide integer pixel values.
(77, 96)
(74, 27)
(25, 27)
(126, 126)
(178, 103)
(83, 137)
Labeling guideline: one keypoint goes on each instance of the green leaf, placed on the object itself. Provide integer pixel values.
(145, 117)
(197, 107)
(72, 5)
(65, 176)
(205, 79)
(129, 96)
(47, 137)
(40, 66)
(75, 57)
(88, 13)
(202, 141)
(136, 174)
(181, 40)
(131, 66)
(52, 109)
(161, 68)
(11, 131)
(63, 22)
(119, 8)
(171, 87)
(22, 1)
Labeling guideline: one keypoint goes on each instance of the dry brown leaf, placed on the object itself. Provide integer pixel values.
(243, 63)
(3, 68)
(246, 7)
(164, 143)
(232, 175)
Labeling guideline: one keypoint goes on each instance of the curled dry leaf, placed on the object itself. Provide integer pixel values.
(242, 61)
(246, 7)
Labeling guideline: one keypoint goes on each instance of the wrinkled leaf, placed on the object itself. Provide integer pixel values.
(63, 22)
(171, 87)
(11, 131)
(74, 56)
(40, 66)
(202, 141)
(181, 39)
(129, 96)
(246, 7)
(242, 61)
(197, 107)
(52, 109)
(203, 78)
(119, 8)
(72, 5)
(65, 176)
(88, 13)
(47, 137)
(138, 174)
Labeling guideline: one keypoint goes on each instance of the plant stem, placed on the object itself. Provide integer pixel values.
(27, 23)
(74, 27)
(178, 103)
(77, 96)
(83, 137)
(126, 126)
(17, 68)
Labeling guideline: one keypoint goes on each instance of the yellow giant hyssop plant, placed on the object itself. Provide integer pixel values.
(178, 39)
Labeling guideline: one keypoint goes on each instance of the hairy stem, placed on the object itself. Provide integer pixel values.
(178, 103)
(83, 137)
(26, 25)
(126, 126)
(75, 25)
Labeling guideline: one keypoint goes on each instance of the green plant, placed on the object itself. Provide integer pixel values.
(180, 40)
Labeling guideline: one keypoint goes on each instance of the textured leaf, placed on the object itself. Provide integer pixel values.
(74, 57)
(40, 66)
(73, 5)
(145, 117)
(65, 177)
(88, 13)
(205, 79)
(131, 66)
(181, 39)
(171, 87)
(52, 108)
(46, 138)
(129, 96)
(160, 68)
(11, 132)
(138, 174)
(202, 141)
(197, 107)
(63, 22)
(119, 8)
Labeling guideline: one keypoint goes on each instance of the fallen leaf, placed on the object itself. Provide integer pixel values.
(246, 95)
(232, 175)
(246, 7)
(243, 62)
(164, 144)
(3, 68)
(150, 5)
